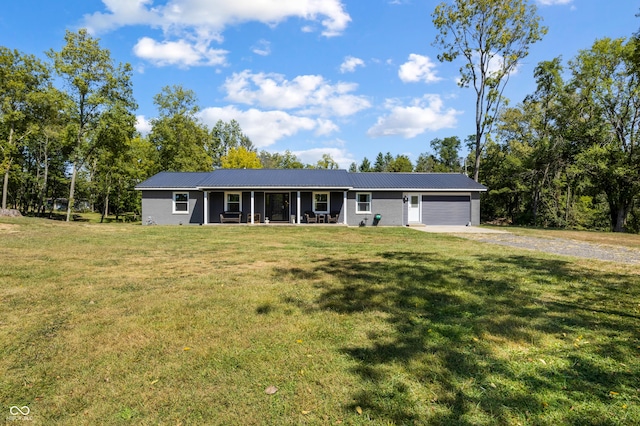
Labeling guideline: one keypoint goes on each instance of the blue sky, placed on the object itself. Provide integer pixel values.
(350, 78)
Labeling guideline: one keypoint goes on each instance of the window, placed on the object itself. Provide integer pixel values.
(181, 202)
(321, 202)
(232, 202)
(363, 202)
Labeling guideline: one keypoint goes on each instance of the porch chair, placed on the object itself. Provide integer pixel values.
(333, 217)
(311, 217)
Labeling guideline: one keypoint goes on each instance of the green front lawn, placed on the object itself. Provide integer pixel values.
(128, 324)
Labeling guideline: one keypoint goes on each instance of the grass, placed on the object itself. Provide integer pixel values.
(126, 324)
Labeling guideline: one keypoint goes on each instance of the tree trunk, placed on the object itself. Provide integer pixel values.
(105, 211)
(5, 186)
(43, 191)
(478, 153)
(72, 189)
(618, 219)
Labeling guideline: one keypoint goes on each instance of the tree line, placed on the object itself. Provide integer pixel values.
(565, 156)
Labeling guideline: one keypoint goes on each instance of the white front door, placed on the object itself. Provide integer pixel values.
(414, 208)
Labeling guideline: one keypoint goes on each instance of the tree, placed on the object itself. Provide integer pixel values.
(116, 130)
(182, 141)
(94, 85)
(353, 167)
(426, 163)
(22, 77)
(606, 125)
(447, 151)
(226, 136)
(46, 145)
(493, 36)
(240, 158)
(401, 163)
(287, 160)
(379, 165)
(365, 166)
(326, 162)
(534, 131)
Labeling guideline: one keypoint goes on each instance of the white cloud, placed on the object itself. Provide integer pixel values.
(193, 25)
(554, 2)
(424, 114)
(264, 128)
(215, 15)
(339, 155)
(121, 13)
(143, 126)
(418, 68)
(310, 94)
(180, 53)
(350, 64)
(262, 48)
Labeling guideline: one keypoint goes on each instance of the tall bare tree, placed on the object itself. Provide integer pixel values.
(492, 36)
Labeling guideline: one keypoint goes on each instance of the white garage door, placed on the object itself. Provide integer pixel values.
(447, 209)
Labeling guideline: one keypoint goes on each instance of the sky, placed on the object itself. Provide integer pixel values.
(348, 78)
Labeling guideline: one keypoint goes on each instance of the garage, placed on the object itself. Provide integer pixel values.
(446, 209)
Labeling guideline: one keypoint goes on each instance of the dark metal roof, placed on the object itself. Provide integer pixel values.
(309, 179)
(171, 180)
(276, 178)
(437, 181)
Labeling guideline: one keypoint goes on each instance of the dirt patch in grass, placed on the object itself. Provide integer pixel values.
(8, 228)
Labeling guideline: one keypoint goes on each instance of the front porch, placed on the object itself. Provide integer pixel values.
(274, 207)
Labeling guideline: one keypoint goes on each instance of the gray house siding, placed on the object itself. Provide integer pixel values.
(475, 208)
(388, 204)
(446, 198)
(157, 207)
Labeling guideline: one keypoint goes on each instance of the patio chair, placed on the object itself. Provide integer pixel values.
(333, 217)
(311, 217)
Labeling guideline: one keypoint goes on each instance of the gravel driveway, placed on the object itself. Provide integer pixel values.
(561, 246)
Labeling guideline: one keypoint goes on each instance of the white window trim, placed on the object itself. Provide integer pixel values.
(357, 202)
(173, 202)
(226, 200)
(328, 194)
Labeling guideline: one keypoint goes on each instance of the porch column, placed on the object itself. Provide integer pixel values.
(299, 218)
(344, 207)
(206, 207)
(253, 203)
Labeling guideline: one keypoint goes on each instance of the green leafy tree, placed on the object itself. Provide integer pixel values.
(492, 36)
(326, 162)
(22, 78)
(607, 123)
(94, 85)
(45, 146)
(447, 151)
(534, 130)
(286, 160)
(182, 141)
(114, 172)
(401, 163)
(240, 158)
(426, 163)
(226, 136)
